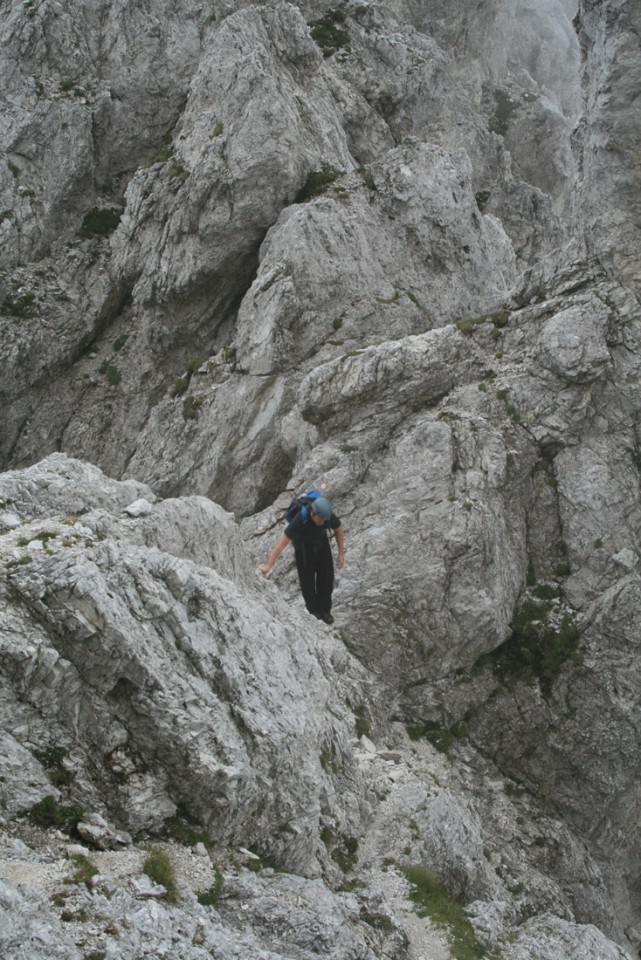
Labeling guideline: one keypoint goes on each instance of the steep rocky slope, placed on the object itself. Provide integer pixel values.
(389, 249)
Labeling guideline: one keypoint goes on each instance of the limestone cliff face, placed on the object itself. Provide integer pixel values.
(389, 249)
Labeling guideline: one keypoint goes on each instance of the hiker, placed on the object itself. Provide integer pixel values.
(308, 532)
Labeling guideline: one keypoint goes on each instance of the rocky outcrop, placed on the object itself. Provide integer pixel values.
(609, 147)
(167, 258)
(389, 250)
(143, 661)
(152, 681)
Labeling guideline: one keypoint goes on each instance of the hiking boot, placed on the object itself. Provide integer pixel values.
(326, 617)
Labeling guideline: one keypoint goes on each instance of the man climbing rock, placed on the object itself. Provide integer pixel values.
(308, 532)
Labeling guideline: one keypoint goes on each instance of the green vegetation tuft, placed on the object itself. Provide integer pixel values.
(361, 724)
(368, 180)
(159, 867)
(49, 813)
(499, 319)
(329, 33)
(545, 591)
(84, 871)
(179, 386)
(22, 305)
(191, 407)
(112, 374)
(442, 738)
(432, 900)
(52, 760)
(317, 183)
(380, 921)
(181, 830)
(505, 107)
(346, 854)
(209, 898)
(542, 641)
(196, 364)
(100, 222)
(482, 199)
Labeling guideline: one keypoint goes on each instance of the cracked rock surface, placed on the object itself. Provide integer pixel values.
(390, 250)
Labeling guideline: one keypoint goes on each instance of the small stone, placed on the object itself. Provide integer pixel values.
(139, 508)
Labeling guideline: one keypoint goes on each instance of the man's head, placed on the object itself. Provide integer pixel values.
(321, 510)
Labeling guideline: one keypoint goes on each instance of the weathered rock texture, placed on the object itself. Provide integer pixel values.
(390, 249)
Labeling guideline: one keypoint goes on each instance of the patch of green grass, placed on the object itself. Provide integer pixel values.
(179, 386)
(159, 867)
(482, 199)
(120, 341)
(21, 305)
(52, 760)
(328, 760)
(196, 364)
(99, 222)
(84, 871)
(467, 327)
(112, 373)
(380, 921)
(368, 180)
(328, 32)
(362, 724)
(263, 861)
(513, 790)
(635, 454)
(443, 738)
(166, 151)
(538, 648)
(22, 562)
(45, 535)
(179, 828)
(505, 107)
(191, 407)
(209, 898)
(499, 319)
(545, 591)
(49, 813)
(318, 182)
(177, 170)
(327, 836)
(345, 854)
(432, 900)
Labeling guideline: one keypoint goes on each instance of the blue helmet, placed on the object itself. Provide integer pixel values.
(322, 508)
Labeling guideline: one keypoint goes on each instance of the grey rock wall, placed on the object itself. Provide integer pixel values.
(236, 263)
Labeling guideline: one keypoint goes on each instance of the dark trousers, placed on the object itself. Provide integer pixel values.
(316, 576)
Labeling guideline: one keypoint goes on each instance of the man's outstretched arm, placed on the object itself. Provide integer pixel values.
(274, 555)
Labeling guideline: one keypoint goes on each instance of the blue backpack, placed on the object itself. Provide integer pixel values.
(301, 505)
